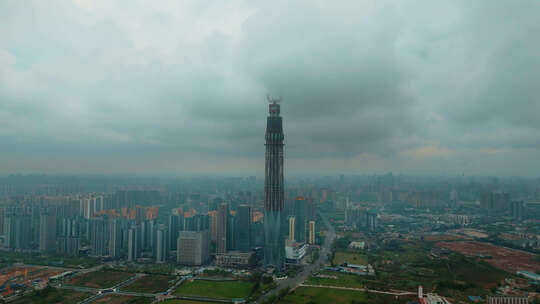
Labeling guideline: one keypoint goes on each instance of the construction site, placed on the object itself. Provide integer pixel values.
(16, 279)
(504, 258)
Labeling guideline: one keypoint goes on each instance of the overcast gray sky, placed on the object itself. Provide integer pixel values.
(178, 87)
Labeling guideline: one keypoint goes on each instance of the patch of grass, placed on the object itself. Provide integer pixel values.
(327, 295)
(406, 264)
(53, 295)
(215, 289)
(176, 301)
(343, 280)
(120, 299)
(151, 284)
(350, 257)
(100, 279)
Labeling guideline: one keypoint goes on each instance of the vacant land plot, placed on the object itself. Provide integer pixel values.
(352, 257)
(100, 279)
(151, 284)
(327, 295)
(504, 258)
(118, 299)
(53, 295)
(444, 237)
(215, 289)
(403, 265)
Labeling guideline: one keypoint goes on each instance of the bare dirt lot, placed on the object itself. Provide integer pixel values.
(504, 258)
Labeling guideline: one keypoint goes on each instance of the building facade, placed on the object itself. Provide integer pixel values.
(274, 189)
(222, 228)
(193, 247)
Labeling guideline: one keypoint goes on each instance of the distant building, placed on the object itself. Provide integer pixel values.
(99, 236)
(311, 232)
(193, 247)
(458, 219)
(517, 210)
(243, 218)
(115, 238)
(68, 245)
(353, 217)
(300, 215)
(274, 195)
(134, 243)
(17, 231)
(213, 224)
(173, 231)
(68, 241)
(47, 233)
(357, 245)
(221, 230)
(162, 244)
(233, 259)
(506, 300)
(294, 251)
(371, 220)
(291, 228)
(495, 202)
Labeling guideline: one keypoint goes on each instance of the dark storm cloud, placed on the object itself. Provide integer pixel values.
(179, 87)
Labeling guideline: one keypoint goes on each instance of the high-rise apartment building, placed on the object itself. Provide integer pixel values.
(300, 212)
(47, 233)
(115, 238)
(517, 210)
(311, 239)
(162, 244)
(134, 243)
(193, 247)
(292, 221)
(173, 231)
(221, 230)
(243, 219)
(99, 236)
(274, 247)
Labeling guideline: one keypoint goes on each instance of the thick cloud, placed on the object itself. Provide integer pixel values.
(178, 88)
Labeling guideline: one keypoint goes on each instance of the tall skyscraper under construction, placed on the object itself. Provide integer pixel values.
(273, 189)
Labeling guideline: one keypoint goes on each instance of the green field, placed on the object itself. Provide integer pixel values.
(53, 295)
(151, 284)
(350, 257)
(100, 279)
(404, 265)
(327, 295)
(182, 302)
(343, 280)
(121, 299)
(215, 289)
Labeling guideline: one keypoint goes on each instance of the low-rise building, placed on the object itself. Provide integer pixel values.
(294, 252)
(233, 259)
(357, 245)
(507, 300)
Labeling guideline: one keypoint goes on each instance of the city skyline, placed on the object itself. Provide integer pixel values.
(369, 87)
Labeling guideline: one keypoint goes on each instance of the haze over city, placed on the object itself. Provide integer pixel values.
(178, 88)
(270, 152)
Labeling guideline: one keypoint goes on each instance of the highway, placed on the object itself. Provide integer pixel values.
(326, 248)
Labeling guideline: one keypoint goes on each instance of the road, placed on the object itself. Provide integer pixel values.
(400, 293)
(292, 283)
